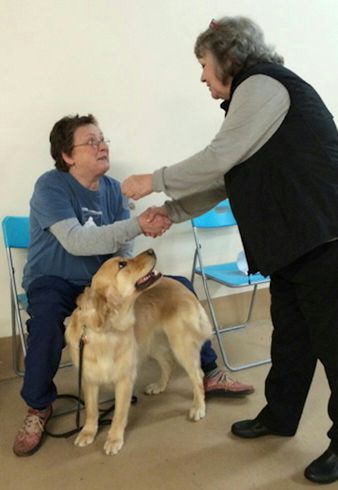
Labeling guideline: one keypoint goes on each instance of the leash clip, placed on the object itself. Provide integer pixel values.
(83, 338)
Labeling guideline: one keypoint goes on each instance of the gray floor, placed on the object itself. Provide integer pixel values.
(163, 450)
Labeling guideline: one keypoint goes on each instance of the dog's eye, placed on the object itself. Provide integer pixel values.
(122, 264)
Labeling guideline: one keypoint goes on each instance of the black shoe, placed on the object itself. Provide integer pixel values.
(323, 469)
(250, 429)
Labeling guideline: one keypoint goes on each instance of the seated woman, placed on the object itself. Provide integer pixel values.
(78, 219)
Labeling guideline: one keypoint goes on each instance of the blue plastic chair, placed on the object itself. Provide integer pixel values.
(228, 274)
(16, 236)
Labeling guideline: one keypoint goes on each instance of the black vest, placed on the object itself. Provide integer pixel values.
(285, 196)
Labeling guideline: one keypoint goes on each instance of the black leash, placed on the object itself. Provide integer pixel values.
(81, 404)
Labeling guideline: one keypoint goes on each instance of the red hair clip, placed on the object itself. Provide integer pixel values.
(214, 24)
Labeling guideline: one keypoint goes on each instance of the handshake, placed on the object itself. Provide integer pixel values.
(155, 220)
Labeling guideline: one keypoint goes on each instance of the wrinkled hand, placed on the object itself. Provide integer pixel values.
(154, 221)
(155, 211)
(137, 186)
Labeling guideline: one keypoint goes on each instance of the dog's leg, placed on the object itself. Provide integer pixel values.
(188, 355)
(88, 433)
(123, 394)
(165, 361)
(197, 411)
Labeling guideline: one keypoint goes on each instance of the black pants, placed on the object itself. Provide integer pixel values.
(304, 311)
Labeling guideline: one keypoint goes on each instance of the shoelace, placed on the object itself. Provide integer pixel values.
(222, 376)
(33, 424)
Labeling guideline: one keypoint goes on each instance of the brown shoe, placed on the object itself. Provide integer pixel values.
(219, 383)
(29, 438)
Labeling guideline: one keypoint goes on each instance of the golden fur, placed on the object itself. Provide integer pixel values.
(122, 324)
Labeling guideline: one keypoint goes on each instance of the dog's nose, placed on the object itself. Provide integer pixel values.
(151, 252)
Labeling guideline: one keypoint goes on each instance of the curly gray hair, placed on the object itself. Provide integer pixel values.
(236, 43)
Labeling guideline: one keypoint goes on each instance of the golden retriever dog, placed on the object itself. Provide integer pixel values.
(130, 312)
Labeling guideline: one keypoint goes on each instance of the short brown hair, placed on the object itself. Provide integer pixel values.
(62, 137)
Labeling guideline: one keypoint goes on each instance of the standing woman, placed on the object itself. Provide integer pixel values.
(276, 158)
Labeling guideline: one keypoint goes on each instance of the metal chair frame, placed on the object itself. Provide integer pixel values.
(226, 274)
(16, 236)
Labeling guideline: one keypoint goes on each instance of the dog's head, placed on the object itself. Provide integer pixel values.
(125, 278)
(116, 285)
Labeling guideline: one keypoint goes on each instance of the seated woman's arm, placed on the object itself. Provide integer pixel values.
(96, 240)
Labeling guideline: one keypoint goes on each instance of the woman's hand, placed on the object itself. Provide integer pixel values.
(137, 186)
(157, 211)
(154, 221)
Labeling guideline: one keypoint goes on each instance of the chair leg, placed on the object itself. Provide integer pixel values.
(17, 329)
(193, 268)
(225, 359)
(15, 359)
(219, 331)
(248, 318)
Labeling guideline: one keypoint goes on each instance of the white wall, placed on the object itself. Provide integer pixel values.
(131, 63)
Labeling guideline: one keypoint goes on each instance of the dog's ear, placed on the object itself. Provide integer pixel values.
(117, 310)
(82, 298)
(107, 292)
(93, 309)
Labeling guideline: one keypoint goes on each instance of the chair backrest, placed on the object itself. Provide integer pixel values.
(218, 217)
(16, 231)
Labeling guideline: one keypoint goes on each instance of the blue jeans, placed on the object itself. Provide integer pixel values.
(51, 299)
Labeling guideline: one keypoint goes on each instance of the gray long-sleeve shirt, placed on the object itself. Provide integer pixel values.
(97, 240)
(196, 184)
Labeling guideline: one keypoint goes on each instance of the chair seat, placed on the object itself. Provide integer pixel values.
(23, 301)
(229, 275)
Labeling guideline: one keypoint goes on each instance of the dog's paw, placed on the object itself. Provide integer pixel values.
(154, 389)
(196, 413)
(84, 438)
(113, 446)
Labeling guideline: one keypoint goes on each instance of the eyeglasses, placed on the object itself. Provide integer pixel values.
(94, 143)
